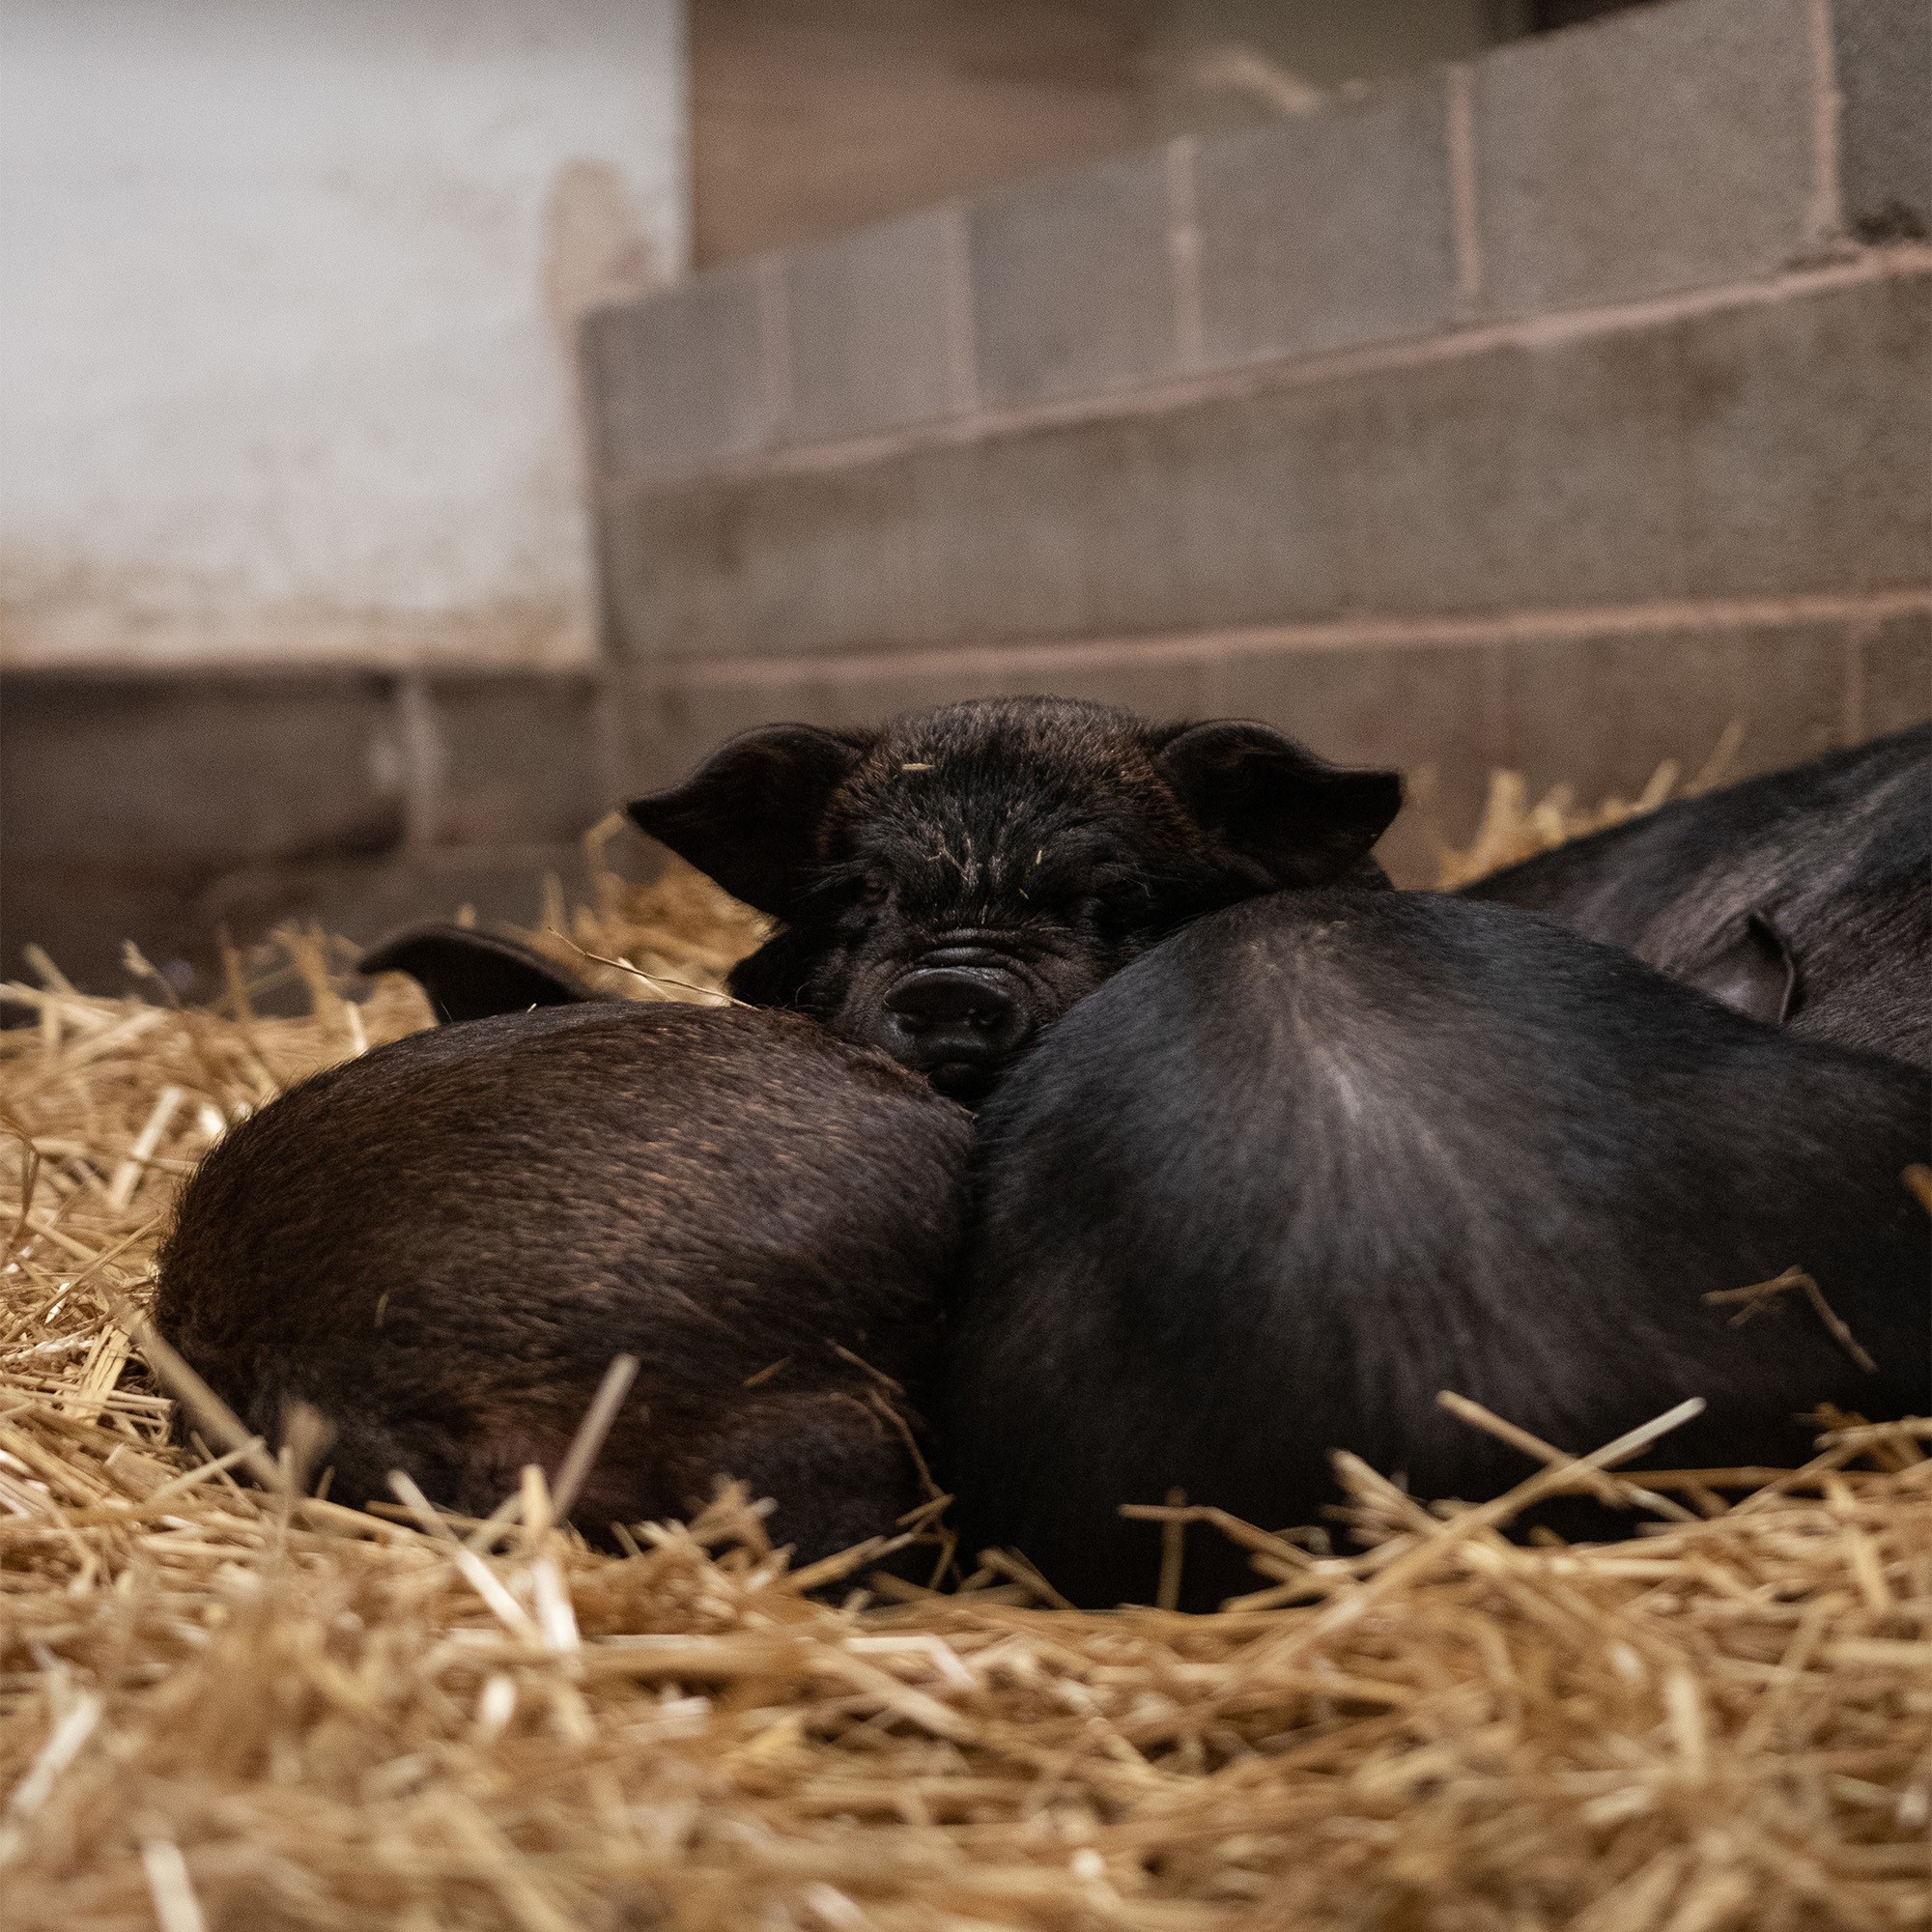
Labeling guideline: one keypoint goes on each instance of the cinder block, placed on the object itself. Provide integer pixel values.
(1668, 148)
(679, 380)
(200, 767)
(779, 563)
(1601, 712)
(1072, 284)
(520, 759)
(1223, 514)
(1811, 465)
(1883, 50)
(871, 327)
(1761, 450)
(1895, 675)
(1326, 229)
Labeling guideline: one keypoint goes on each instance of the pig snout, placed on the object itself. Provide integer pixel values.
(958, 1016)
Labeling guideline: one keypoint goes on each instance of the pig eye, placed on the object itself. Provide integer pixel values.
(1110, 906)
(1097, 909)
(875, 888)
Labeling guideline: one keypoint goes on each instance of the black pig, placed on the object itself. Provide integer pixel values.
(472, 975)
(1804, 896)
(442, 1245)
(1324, 1154)
(953, 882)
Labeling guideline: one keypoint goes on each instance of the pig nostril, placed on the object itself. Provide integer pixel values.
(951, 997)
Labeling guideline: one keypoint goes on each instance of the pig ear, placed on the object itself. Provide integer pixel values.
(472, 975)
(748, 816)
(1303, 820)
(1753, 972)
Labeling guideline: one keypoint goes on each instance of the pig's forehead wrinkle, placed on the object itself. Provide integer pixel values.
(1014, 751)
(1001, 784)
(994, 829)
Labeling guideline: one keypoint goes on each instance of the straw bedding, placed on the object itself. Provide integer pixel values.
(228, 1705)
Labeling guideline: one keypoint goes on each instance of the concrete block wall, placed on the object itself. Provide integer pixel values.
(1552, 410)
(168, 807)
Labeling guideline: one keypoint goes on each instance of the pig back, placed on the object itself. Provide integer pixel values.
(1835, 854)
(443, 1245)
(1316, 1159)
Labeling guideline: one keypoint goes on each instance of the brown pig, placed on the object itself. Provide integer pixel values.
(442, 1245)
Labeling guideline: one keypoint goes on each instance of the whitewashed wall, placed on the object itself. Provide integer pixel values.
(285, 297)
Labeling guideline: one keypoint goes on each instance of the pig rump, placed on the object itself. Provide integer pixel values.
(1320, 1156)
(442, 1245)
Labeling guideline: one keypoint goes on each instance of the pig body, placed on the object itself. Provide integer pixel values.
(1804, 896)
(1321, 1155)
(442, 1245)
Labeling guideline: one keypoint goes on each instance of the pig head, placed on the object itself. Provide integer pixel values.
(952, 881)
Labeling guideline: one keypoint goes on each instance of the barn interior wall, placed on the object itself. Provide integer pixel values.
(288, 313)
(811, 118)
(1552, 409)
(1556, 408)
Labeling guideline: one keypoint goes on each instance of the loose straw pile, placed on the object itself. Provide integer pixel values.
(229, 1708)
(1515, 827)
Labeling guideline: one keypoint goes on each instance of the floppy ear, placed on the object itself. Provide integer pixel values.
(473, 976)
(1304, 822)
(748, 816)
(1752, 971)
